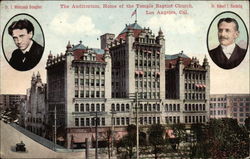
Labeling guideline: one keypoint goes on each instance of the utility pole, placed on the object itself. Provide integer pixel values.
(137, 127)
(96, 140)
(96, 113)
(55, 129)
(112, 134)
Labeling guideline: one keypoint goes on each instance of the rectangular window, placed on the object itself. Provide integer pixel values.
(92, 94)
(117, 121)
(123, 121)
(102, 82)
(92, 82)
(76, 93)
(87, 82)
(82, 93)
(103, 94)
(82, 121)
(127, 121)
(87, 122)
(103, 108)
(97, 82)
(103, 121)
(76, 81)
(97, 94)
(82, 82)
(93, 121)
(76, 121)
(87, 94)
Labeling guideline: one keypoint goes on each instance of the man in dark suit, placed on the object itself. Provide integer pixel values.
(29, 52)
(228, 54)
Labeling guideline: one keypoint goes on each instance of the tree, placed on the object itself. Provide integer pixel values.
(199, 144)
(156, 140)
(180, 136)
(226, 139)
(108, 141)
(128, 141)
(179, 132)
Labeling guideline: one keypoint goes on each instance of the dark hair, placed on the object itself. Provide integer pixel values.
(21, 24)
(229, 20)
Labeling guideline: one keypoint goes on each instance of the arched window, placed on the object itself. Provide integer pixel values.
(118, 107)
(82, 108)
(76, 107)
(92, 107)
(166, 107)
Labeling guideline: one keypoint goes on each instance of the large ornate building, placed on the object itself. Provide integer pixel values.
(33, 111)
(169, 88)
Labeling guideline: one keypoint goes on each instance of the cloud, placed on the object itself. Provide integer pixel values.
(64, 24)
(174, 24)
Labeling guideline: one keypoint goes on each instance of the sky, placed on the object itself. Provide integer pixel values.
(183, 32)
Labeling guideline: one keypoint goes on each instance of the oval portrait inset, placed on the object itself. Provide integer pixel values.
(227, 40)
(23, 42)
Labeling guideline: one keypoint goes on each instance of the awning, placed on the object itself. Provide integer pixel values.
(141, 72)
(158, 73)
(170, 133)
(149, 51)
(158, 52)
(137, 72)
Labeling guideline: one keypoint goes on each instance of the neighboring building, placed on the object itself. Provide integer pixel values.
(34, 111)
(171, 89)
(10, 100)
(236, 106)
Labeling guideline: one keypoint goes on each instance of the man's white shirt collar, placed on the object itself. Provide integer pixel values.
(228, 50)
(28, 48)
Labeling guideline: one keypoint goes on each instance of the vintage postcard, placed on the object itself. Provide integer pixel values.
(77, 77)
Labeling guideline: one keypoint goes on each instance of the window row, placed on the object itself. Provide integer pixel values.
(89, 121)
(151, 95)
(241, 99)
(241, 115)
(172, 119)
(195, 119)
(218, 112)
(89, 94)
(149, 120)
(150, 107)
(89, 107)
(195, 107)
(121, 121)
(241, 109)
(146, 63)
(241, 104)
(196, 87)
(172, 107)
(89, 82)
(195, 76)
(145, 84)
(218, 105)
(149, 74)
(90, 70)
(195, 96)
(147, 53)
(120, 107)
(34, 120)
